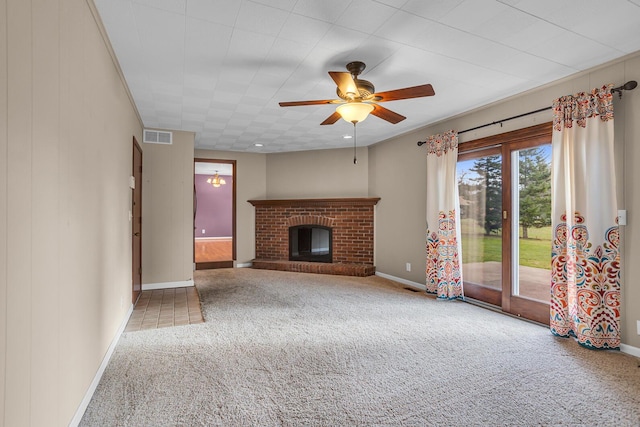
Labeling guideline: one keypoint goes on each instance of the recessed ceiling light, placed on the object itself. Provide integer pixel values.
(347, 137)
(257, 144)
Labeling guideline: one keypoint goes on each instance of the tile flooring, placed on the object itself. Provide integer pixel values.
(162, 308)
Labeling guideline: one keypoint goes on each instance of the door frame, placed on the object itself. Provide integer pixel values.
(216, 264)
(136, 223)
(514, 304)
(504, 144)
(472, 290)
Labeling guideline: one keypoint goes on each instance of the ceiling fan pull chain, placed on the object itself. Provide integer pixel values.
(355, 159)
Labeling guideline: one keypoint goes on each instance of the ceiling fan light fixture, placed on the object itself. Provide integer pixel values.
(358, 97)
(354, 112)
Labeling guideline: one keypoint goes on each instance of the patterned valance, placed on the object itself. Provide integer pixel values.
(442, 143)
(581, 106)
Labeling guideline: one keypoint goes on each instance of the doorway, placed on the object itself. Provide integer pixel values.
(214, 214)
(504, 183)
(136, 221)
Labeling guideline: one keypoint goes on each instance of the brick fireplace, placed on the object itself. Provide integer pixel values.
(349, 219)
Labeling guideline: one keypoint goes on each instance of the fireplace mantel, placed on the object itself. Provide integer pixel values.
(351, 221)
(358, 201)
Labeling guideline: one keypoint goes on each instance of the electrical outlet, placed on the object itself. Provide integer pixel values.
(203, 231)
(408, 266)
(638, 327)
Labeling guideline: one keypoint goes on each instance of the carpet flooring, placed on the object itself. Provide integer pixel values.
(294, 349)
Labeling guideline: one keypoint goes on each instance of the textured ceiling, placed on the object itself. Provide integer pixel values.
(220, 67)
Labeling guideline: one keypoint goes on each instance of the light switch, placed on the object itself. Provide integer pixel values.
(132, 182)
(622, 217)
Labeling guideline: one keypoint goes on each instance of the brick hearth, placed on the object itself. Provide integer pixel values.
(351, 221)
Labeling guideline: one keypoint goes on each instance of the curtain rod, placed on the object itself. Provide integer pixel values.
(499, 122)
(630, 85)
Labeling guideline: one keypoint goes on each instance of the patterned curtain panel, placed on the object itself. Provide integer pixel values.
(585, 282)
(444, 263)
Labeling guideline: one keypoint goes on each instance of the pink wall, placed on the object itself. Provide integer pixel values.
(214, 212)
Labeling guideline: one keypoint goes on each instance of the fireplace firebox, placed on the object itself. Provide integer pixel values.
(310, 243)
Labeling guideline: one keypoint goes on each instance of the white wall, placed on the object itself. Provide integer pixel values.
(630, 133)
(400, 214)
(4, 211)
(66, 127)
(317, 174)
(167, 210)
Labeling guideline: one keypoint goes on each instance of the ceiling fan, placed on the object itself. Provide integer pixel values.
(358, 97)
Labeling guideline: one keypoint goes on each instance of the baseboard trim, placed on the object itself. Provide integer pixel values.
(629, 349)
(243, 264)
(167, 285)
(403, 281)
(75, 421)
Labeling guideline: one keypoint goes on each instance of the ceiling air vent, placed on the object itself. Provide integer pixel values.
(157, 137)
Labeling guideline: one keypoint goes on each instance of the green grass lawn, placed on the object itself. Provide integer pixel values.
(476, 247)
(543, 233)
(535, 253)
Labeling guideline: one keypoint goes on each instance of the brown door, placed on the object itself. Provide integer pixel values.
(137, 221)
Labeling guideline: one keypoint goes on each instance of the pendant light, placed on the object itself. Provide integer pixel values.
(216, 181)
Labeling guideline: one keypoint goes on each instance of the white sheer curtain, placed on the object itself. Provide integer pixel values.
(444, 263)
(585, 282)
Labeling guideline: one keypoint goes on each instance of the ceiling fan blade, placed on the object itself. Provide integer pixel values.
(316, 102)
(406, 93)
(345, 82)
(332, 119)
(386, 114)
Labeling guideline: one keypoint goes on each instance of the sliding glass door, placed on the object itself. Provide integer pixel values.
(505, 202)
(480, 189)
